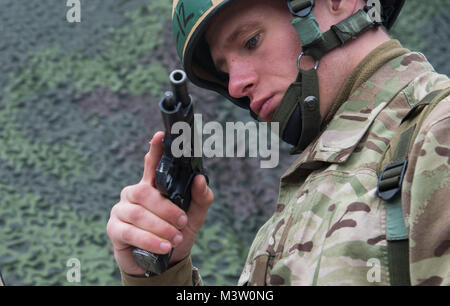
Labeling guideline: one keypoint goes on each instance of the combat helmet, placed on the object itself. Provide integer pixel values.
(190, 19)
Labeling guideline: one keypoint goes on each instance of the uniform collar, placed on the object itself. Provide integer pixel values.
(354, 117)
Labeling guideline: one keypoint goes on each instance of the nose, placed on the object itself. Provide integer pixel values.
(242, 79)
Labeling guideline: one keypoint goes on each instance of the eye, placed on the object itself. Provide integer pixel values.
(252, 43)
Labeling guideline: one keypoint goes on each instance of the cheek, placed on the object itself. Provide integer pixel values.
(285, 51)
(285, 66)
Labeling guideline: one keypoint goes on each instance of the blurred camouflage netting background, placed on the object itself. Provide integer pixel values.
(78, 105)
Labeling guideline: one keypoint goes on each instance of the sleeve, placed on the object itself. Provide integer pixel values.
(428, 205)
(181, 274)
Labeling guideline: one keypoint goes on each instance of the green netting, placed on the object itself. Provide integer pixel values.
(78, 105)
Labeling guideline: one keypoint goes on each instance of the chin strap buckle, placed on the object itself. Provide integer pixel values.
(300, 8)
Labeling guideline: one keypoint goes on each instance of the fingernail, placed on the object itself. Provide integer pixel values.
(182, 220)
(165, 246)
(177, 239)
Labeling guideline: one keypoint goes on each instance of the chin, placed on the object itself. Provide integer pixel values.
(269, 117)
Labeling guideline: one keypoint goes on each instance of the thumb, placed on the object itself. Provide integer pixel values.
(152, 158)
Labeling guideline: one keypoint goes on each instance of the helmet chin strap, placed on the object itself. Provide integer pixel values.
(299, 111)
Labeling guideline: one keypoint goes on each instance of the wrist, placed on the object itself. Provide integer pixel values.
(180, 273)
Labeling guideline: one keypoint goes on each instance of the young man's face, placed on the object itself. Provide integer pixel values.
(255, 44)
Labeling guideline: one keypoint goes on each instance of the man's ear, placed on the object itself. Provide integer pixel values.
(335, 4)
(341, 8)
(331, 12)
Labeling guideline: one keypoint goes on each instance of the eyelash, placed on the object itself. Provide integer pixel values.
(252, 45)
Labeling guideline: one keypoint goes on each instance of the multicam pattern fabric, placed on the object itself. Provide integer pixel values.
(329, 227)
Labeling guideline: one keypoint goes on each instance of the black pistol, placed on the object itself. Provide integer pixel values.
(174, 175)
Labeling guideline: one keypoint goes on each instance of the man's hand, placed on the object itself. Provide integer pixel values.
(145, 219)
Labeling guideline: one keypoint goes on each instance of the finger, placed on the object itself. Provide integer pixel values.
(151, 199)
(124, 235)
(202, 198)
(140, 217)
(152, 158)
(125, 260)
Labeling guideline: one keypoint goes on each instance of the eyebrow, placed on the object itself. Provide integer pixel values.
(245, 27)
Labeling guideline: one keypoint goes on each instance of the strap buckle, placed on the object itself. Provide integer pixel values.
(300, 8)
(299, 59)
(391, 179)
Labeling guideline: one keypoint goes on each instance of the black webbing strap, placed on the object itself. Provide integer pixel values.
(398, 259)
(390, 184)
(310, 110)
(340, 33)
(391, 178)
(317, 44)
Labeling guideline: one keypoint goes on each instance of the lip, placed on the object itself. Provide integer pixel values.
(258, 108)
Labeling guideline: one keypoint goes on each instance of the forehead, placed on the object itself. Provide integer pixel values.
(242, 13)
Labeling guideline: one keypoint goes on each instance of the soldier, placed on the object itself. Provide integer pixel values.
(366, 200)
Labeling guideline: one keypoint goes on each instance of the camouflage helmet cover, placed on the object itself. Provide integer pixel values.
(190, 19)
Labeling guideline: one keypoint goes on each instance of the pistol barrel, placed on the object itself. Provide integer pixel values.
(178, 79)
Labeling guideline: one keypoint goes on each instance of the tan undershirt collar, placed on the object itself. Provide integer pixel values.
(365, 69)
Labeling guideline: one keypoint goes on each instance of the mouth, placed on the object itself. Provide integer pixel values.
(261, 107)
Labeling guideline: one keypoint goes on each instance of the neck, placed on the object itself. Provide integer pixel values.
(336, 66)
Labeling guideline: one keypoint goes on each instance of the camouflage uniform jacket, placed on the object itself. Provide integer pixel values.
(329, 227)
